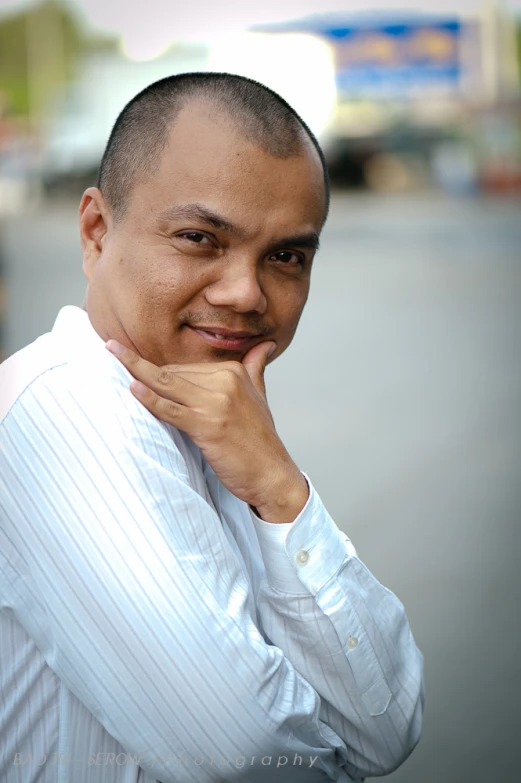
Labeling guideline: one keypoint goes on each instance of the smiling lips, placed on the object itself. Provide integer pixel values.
(225, 338)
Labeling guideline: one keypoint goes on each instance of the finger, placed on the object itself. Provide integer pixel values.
(164, 382)
(202, 380)
(206, 367)
(166, 410)
(255, 362)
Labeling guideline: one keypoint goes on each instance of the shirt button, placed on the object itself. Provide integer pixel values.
(352, 642)
(302, 557)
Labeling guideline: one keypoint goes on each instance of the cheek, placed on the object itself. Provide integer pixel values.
(157, 279)
(288, 309)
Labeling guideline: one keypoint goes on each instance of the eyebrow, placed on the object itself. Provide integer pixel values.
(205, 215)
(199, 212)
(309, 240)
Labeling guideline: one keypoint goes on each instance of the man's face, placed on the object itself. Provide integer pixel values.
(219, 240)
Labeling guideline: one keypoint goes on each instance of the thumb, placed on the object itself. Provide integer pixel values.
(255, 362)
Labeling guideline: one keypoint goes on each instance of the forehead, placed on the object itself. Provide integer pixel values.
(207, 158)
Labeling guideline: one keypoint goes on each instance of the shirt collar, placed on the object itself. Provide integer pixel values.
(74, 329)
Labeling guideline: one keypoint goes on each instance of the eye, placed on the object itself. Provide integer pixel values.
(196, 237)
(287, 257)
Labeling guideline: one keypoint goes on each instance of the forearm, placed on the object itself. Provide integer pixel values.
(347, 634)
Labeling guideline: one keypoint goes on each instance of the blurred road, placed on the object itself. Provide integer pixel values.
(400, 396)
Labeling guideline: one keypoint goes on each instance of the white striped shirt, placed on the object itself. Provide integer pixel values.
(151, 626)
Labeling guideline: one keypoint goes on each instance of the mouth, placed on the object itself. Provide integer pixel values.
(224, 338)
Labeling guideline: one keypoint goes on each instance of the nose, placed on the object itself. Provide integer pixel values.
(238, 287)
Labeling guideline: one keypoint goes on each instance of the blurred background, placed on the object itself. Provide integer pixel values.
(401, 393)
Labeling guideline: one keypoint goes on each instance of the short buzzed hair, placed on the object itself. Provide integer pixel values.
(140, 133)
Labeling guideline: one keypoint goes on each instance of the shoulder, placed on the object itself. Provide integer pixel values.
(22, 369)
(85, 401)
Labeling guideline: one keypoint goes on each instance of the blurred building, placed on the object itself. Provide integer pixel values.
(80, 119)
(423, 99)
(398, 101)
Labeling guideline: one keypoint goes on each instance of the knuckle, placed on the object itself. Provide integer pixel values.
(132, 358)
(173, 410)
(232, 366)
(224, 402)
(237, 368)
(230, 379)
(165, 378)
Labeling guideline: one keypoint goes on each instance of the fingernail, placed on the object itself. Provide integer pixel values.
(138, 388)
(272, 350)
(114, 347)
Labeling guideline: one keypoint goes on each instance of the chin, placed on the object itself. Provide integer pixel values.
(228, 356)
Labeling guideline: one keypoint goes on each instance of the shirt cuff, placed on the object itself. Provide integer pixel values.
(301, 556)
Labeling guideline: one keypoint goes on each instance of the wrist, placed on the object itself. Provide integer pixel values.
(285, 501)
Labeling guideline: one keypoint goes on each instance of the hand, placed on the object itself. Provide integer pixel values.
(222, 407)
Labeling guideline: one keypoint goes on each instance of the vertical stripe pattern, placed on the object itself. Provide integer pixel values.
(152, 628)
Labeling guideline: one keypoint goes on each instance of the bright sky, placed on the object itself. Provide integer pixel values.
(152, 26)
(200, 19)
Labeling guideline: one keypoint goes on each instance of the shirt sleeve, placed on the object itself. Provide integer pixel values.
(133, 595)
(272, 537)
(346, 633)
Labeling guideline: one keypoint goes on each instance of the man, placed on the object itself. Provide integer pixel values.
(177, 605)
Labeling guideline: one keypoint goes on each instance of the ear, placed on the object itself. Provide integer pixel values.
(95, 221)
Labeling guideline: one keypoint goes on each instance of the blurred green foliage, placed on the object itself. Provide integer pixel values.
(518, 36)
(39, 48)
